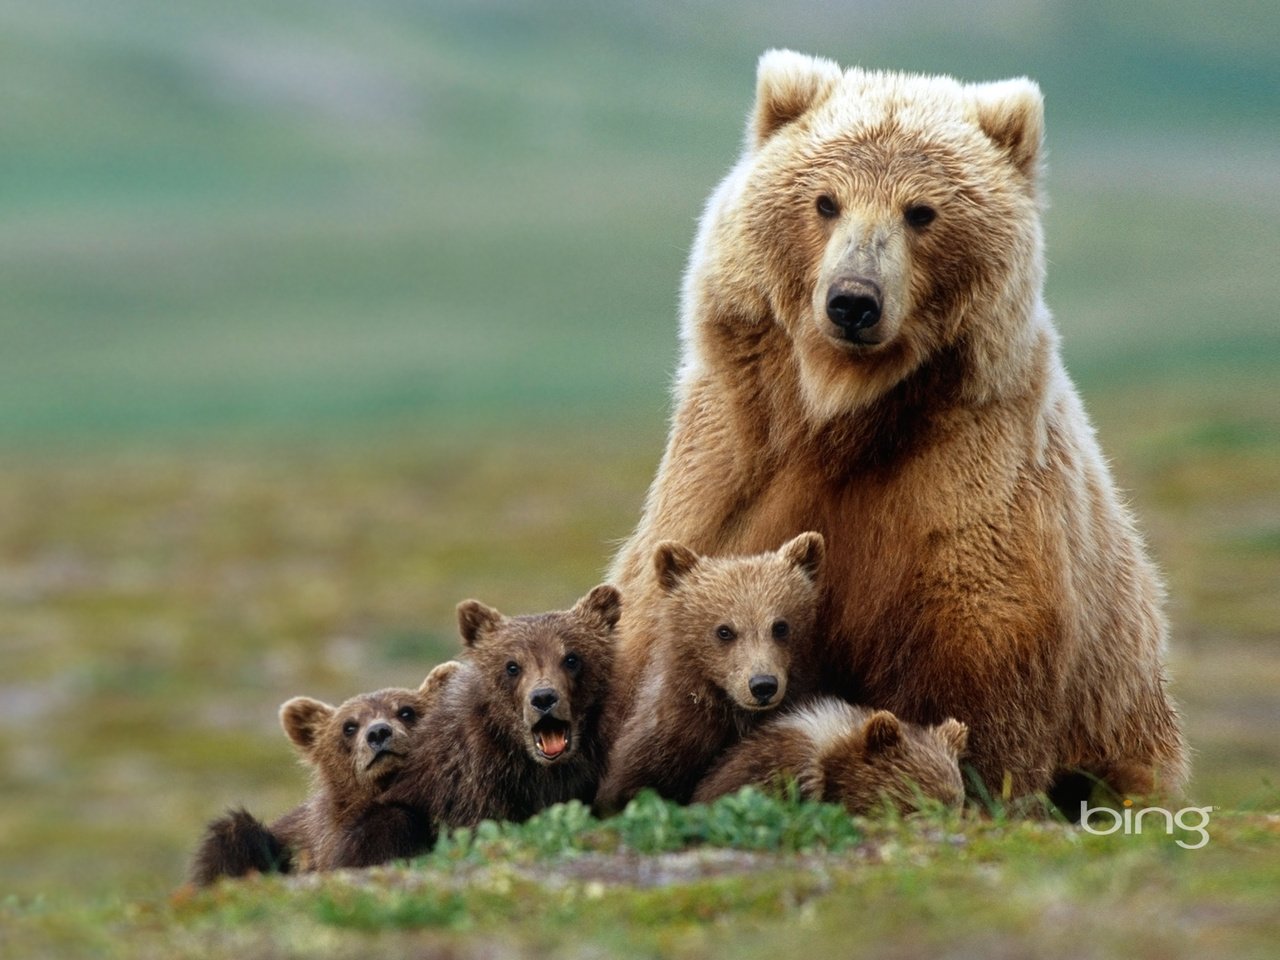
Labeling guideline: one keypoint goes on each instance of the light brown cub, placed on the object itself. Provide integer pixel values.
(733, 632)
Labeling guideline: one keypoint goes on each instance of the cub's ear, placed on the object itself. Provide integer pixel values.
(788, 84)
(807, 552)
(303, 720)
(881, 732)
(1011, 113)
(673, 561)
(439, 676)
(954, 734)
(476, 619)
(602, 604)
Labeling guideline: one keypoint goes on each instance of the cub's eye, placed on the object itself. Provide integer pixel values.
(781, 629)
(407, 714)
(827, 208)
(920, 215)
(572, 663)
(513, 669)
(349, 728)
(725, 632)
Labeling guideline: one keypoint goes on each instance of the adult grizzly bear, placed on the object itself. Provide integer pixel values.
(866, 353)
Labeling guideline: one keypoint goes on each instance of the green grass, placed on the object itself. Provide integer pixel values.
(734, 879)
(320, 317)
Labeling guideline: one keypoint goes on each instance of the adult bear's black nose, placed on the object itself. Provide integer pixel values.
(854, 305)
(763, 686)
(378, 734)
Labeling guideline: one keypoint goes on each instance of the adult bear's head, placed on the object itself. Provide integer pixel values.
(881, 220)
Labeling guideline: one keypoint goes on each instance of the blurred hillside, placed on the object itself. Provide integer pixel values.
(228, 217)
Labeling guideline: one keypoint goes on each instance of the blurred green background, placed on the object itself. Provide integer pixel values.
(322, 316)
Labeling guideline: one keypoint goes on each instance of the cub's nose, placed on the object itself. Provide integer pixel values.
(378, 734)
(544, 699)
(854, 305)
(763, 686)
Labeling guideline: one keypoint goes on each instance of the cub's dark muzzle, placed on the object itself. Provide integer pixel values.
(763, 687)
(544, 699)
(378, 734)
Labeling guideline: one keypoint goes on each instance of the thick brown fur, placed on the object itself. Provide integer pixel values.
(726, 625)
(980, 563)
(530, 686)
(838, 753)
(236, 845)
(355, 751)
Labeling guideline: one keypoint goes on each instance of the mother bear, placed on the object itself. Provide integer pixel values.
(866, 353)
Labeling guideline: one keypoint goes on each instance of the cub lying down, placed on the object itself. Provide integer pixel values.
(840, 753)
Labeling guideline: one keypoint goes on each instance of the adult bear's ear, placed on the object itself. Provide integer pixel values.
(673, 561)
(303, 720)
(1011, 113)
(475, 619)
(881, 732)
(603, 604)
(807, 552)
(787, 85)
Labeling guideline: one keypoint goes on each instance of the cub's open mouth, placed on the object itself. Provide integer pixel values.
(551, 737)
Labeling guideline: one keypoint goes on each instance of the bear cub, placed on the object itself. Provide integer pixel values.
(516, 730)
(840, 753)
(732, 630)
(355, 751)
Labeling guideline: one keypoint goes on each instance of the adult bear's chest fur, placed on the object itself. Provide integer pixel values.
(932, 534)
(877, 543)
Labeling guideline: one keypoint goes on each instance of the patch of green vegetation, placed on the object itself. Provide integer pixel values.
(749, 820)
(381, 910)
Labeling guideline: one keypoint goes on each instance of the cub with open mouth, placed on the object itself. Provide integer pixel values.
(731, 642)
(544, 678)
(515, 731)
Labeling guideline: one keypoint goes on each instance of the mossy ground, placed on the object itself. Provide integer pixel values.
(733, 880)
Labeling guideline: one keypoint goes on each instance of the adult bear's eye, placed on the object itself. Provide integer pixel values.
(513, 669)
(827, 208)
(921, 215)
(572, 663)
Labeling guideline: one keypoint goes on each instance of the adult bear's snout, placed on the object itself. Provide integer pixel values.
(854, 305)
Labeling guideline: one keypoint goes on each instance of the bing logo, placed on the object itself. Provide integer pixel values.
(1194, 820)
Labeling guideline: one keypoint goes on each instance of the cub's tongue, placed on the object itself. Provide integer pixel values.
(552, 742)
